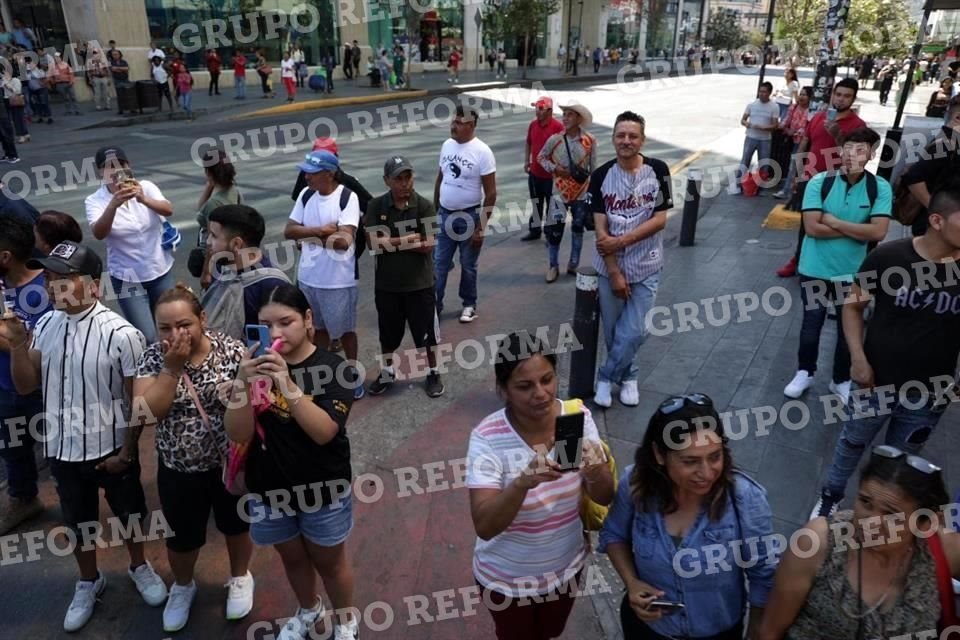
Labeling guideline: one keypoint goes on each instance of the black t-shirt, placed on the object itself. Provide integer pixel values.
(289, 457)
(401, 271)
(914, 333)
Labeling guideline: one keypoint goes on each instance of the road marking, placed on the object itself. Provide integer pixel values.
(678, 167)
(310, 105)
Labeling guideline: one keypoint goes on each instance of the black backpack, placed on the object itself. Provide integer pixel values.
(827, 185)
(360, 238)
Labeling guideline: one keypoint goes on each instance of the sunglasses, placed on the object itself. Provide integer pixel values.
(917, 463)
(675, 403)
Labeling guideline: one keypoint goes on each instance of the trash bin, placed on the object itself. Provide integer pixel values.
(148, 95)
(126, 98)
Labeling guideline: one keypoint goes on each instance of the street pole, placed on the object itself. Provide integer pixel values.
(829, 54)
(767, 41)
(579, 37)
(586, 328)
(566, 67)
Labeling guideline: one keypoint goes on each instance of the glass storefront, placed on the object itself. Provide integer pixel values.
(45, 17)
(661, 24)
(320, 35)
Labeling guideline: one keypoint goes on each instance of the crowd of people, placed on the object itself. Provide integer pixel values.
(238, 416)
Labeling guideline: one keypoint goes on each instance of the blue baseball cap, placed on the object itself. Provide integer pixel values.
(318, 161)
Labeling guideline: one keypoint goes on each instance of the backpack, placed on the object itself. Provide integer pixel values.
(360, 237)
(827, 185)
(224, 302)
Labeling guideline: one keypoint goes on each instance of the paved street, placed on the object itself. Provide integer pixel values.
(422, 544)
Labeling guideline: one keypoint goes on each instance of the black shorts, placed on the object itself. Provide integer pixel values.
(396, 311)
(186, 500)
(79, 484)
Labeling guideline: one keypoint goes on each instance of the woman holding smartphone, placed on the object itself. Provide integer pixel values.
(291, 406)
(681, 500)
(127, 215)
(178, 379)
(530, 540)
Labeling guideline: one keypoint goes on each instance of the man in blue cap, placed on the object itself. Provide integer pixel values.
(325, 218)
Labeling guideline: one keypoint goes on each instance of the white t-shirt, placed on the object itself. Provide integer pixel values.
(134, 253)
(156, 53)
(159, 73)
(545, 539)
(787, 93)
(762, 114)
(287, 68)
(462, 166)
(321, 267)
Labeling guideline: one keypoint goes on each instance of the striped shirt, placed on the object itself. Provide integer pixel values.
(628, 200)
(85, 359)
(543, 546)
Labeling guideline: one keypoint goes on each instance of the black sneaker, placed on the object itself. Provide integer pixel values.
(11, 159)
(383, 382)
(827, 506)
(434, 385)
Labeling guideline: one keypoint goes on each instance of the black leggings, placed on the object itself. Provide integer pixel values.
(264, 82)
(635, 629)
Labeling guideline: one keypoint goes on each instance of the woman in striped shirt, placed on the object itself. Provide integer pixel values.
(526, 512)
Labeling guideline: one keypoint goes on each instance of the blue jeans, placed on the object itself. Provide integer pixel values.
(624, 327)
(579, 210)
(17, 448)
(791, 171)
(186, 101)
(41, 102)
(814, 317)
(137, 300)
(751, 146)
(908, 431)
(456, 232)
(240, 86)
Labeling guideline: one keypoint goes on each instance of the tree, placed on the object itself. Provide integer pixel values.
(724, 32)
(520, 18)
(877, 27)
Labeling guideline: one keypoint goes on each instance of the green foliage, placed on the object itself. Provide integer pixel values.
(878, 27)
(724, 32)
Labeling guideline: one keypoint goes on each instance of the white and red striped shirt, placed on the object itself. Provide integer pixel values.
(543, 547)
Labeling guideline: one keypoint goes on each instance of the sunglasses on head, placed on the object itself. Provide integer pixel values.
(675, 403)
(917, 463)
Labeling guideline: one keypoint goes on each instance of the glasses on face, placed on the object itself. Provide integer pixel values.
(675, 403)
(917, 463)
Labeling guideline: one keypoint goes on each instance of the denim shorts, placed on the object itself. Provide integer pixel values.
(334, 310)
(326, 527)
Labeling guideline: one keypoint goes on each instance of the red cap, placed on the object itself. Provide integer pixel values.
(544, 102)
(326, 144)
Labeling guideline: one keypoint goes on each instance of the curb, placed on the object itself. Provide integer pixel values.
(310, 105)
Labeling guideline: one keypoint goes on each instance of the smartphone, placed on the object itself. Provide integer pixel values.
(568, 441)
(257, 333)
(666, 606)
(831, 114)
(124, 177)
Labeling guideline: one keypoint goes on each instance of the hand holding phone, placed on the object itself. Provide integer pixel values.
(666, 607)
(568, 437)
(257, 334)
(831, 114)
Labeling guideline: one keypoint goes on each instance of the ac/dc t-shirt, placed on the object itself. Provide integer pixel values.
(628, 200)
(288, 457)
(913, 333)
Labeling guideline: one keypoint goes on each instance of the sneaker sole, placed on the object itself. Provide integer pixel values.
(436, 394)
(467, 320)
(373, 392)
(241, 616)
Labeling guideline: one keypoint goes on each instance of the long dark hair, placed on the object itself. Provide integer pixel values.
(926, 489)
(650, 486)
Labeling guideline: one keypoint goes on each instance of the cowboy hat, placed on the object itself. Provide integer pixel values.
(586, 118)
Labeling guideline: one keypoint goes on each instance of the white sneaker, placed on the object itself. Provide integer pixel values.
(629, 394)
(239, 596)
(842, 391)
(149, 584)
(85, 596)
(350, 631)
(956, 586)
(602, 396)
(177, 611)
(469, 314)
(302, 623)
(800, 383)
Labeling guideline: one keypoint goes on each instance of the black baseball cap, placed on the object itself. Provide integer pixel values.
(395, 166)
(68, 258)
(114, 154)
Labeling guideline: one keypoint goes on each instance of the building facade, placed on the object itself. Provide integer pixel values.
(751, 14)
(323, 27)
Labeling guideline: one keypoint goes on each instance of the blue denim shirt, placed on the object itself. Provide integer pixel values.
(705, 572)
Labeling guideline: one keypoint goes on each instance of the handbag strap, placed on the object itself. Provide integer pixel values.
(192, 391)
(948, 613)
(569, 155)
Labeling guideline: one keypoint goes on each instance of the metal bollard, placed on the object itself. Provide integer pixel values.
(691, 207)
(586, 326)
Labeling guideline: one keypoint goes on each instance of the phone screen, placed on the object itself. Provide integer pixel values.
(257, 333)
(568, 439)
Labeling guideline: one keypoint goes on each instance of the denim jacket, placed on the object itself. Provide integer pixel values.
(705, 572)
